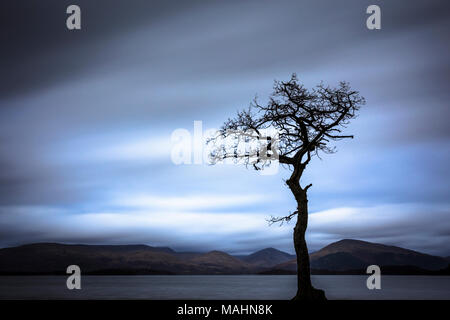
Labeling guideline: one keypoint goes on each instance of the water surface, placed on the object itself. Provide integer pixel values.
(220, 287)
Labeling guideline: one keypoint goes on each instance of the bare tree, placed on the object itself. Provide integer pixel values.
(307, 122)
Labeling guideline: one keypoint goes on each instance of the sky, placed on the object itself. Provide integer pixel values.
(86, 119)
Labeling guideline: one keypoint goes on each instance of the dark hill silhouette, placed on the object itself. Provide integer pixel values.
(350, 254)
(54, 258)
(268, 257)
(342, 257)
(122, 259)
(221, 262)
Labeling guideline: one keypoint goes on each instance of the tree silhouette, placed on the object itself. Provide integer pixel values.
(307, 122)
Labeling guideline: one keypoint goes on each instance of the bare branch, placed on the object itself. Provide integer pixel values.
(282, 220)
(307, 121)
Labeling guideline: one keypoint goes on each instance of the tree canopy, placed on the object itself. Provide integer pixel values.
(306, 120)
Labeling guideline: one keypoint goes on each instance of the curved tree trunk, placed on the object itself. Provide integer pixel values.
(305, 290)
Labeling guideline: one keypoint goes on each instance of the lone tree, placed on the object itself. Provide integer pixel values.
(307, 122)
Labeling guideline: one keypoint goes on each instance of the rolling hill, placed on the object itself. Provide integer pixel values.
(342, 257)
(134, 259)
(351, 255)
(267, 258)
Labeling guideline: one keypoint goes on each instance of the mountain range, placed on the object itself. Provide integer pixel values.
(343, 257)
(353, 256)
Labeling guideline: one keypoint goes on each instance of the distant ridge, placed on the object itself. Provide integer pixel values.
(268, 257)
(342, 257)
(350, 256)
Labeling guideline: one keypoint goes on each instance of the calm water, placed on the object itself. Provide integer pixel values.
(220, 287)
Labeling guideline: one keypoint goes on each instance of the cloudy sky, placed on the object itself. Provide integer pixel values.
(86, 119)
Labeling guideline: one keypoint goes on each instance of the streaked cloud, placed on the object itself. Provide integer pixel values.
(409, 225)
(191, 202)
(85, 145)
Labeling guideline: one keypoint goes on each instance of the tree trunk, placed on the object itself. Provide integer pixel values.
(305, 290)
